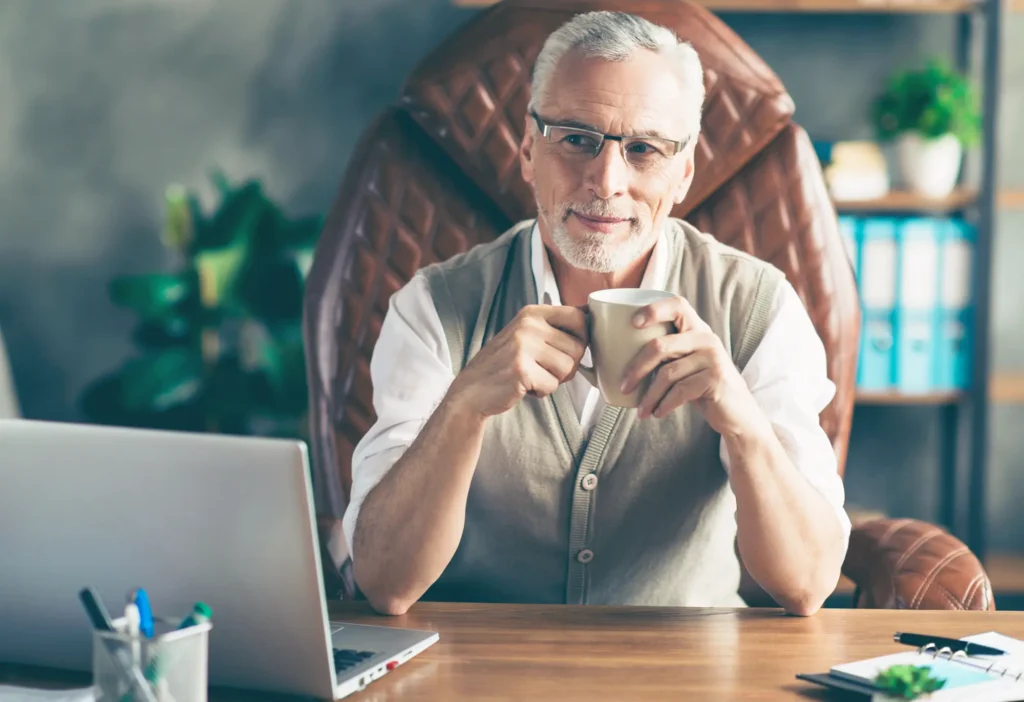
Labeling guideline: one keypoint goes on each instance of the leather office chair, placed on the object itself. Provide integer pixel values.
(438, 172)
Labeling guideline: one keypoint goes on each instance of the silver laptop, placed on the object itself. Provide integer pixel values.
(189, 517)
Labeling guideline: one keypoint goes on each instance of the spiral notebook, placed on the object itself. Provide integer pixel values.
(975, 678)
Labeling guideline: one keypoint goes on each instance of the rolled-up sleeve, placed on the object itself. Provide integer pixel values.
(411, 371)
(788, 376)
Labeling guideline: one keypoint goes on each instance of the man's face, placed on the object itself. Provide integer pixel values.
(603, 212)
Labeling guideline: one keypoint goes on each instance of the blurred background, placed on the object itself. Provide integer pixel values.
(165, 166)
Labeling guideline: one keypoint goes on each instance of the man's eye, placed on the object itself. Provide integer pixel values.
(642, 148)
(580, 141)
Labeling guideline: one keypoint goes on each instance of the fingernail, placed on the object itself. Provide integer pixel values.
(638, 319)
(624, 387)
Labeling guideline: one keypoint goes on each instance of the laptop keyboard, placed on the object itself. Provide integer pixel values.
(345, 658)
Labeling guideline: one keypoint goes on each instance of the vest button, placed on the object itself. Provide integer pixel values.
(589, 481)
(585, 556)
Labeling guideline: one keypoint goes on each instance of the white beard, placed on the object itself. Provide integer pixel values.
(593, 252)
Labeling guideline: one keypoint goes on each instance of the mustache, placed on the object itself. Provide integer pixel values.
(595, 208)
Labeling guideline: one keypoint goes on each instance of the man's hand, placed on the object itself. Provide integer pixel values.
(535, 353)
(691, 366)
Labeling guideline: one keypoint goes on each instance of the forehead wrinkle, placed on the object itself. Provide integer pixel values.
(575, 105)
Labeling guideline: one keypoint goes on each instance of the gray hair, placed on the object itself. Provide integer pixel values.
(615, 36)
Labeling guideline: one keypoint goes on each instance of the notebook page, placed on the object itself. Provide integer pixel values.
(1014, 647)
(963, 682)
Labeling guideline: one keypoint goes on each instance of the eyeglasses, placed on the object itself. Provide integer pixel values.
(641, 152)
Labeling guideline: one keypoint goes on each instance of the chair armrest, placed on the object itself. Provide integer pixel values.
(336, 584)
(909, 564)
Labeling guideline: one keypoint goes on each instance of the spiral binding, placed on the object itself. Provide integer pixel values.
(951, 655)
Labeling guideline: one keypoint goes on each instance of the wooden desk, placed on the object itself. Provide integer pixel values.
(505, 652)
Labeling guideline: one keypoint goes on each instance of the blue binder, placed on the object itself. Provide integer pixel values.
(956, 313)
(877, 272)
(848, 230)
(917, 311)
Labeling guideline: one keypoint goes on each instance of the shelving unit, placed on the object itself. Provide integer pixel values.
(904, 201)
(963, 415)
(839, 6)
(900, 398)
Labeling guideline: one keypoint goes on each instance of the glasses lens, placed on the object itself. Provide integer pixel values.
(576, 141)
(646, 151)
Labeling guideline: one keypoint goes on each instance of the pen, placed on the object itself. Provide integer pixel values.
(101, 621)
(200, 613)
(140, 599)
(968, 647)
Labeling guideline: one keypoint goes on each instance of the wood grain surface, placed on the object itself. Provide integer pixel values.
(508, 652)
(563, 653)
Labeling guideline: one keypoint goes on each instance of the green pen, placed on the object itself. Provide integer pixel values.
(201, 613)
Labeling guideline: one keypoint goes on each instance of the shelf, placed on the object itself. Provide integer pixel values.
(904, 201)
(1006, 388)
(886, 6)
(1006, 571)
(1011, 199)
(899, 398)
(1003, 388)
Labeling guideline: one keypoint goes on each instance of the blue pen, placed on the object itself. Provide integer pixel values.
(140, 599)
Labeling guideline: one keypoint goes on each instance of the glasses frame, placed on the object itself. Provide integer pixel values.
(545, 130)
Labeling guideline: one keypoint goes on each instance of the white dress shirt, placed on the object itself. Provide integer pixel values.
(411, 371)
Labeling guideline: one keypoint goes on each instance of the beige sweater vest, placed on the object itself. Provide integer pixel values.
(659, 526)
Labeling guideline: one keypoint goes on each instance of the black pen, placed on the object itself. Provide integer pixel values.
(968, 647)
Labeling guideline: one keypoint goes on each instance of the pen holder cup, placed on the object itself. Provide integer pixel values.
(169, 667)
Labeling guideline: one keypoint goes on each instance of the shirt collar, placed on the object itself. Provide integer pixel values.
(544, 277)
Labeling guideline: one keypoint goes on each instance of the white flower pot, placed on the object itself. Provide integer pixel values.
(930, 166)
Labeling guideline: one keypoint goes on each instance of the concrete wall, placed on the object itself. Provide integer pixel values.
(107, 101)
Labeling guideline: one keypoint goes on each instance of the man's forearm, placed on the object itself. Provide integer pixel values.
(410, 524)
(788, 534)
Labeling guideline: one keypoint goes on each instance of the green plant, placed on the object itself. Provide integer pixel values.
(908, 681)
(932, 101)
(220, 337)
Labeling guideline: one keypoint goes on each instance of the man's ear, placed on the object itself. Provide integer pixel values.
(526, 152)
(684, 183)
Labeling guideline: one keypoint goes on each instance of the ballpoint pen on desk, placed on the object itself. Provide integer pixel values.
(968, 647)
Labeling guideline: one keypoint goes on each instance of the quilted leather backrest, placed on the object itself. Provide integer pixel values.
(471, 94)
(438, 173)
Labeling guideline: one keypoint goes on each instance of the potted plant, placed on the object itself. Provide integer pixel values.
(932, 114)
(219, 337)
(899, 683)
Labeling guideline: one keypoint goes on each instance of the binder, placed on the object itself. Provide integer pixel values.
(956, 310)
(876, 249)
(973, 677)
(848, 232)
(917, 309)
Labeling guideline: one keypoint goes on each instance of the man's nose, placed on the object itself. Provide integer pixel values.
(608, 172)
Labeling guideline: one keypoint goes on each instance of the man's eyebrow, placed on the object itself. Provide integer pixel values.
(576, 124)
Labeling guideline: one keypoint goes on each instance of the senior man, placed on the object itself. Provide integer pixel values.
(496, 473)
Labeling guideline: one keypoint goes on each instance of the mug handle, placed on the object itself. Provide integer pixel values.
(589, 373)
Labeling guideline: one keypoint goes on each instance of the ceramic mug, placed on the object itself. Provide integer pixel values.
(614, 341)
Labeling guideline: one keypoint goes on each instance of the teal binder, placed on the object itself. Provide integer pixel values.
(917, 309)
(848, 231)
(956, 311)
(876, 274)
